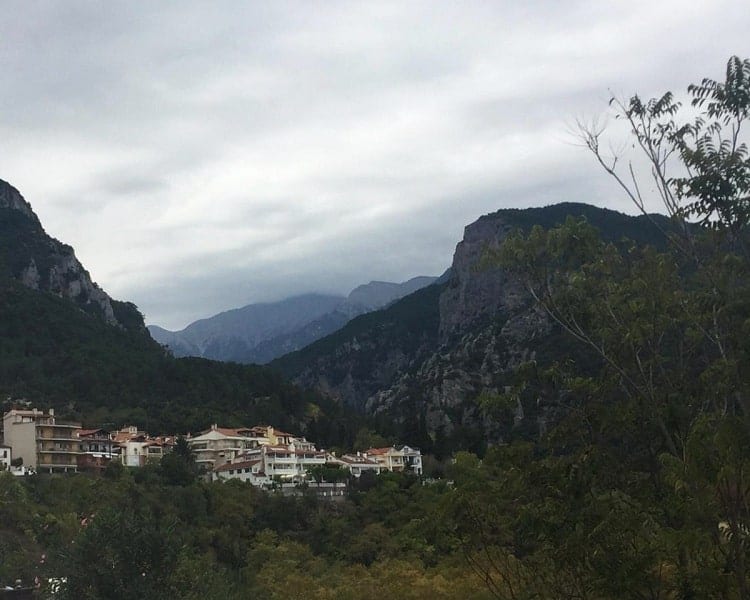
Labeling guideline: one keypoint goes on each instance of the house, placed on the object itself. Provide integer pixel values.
(45, 443)
(267, 463)
(127, 433)
(274, 436)
(412, 459)
(356, 464)
(220, 445)
(397, 460)
(244, 470)
(97, 449)
(290, 463)
(156, 447)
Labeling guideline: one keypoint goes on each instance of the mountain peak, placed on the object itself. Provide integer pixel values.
(11, 198)
(42, 263)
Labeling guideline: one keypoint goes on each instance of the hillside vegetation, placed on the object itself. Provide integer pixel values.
(55, 354)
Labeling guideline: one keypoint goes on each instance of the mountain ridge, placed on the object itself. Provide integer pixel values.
(260, 332)
(41, 262)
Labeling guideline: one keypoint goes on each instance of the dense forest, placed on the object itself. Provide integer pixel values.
(57, 355)
(640, 489)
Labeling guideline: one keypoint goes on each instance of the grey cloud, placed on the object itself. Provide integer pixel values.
(202, 156)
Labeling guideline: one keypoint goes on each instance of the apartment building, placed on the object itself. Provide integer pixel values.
(43, 442)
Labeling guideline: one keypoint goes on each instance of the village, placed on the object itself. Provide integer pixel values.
(35, 441)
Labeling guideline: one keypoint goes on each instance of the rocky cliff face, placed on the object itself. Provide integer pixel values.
(43, 263)
(479, 326)
(11, 199)
(433, 353)
(475, 295)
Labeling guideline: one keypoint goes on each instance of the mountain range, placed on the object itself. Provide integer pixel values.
(65, 344)
(425, 362)
(258, 333)
(415, 370)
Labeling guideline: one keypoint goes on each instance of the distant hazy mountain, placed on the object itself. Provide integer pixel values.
(258, 333)
(377, 294)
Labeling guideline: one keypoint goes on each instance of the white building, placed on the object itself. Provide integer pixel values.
(397, 460)
(266, 464)
(356, 464)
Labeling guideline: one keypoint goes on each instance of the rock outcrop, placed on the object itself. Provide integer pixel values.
(11, 198)
(43, 263)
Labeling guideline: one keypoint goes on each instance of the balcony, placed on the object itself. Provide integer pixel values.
(55, 423)
(47, 466)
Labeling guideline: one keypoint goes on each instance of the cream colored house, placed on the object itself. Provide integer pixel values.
(397, 460)
(356, 464)
(220, 445)
(267, 463)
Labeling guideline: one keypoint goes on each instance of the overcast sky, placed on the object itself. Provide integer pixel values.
(201, 156)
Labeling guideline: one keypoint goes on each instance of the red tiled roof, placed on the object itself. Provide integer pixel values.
(85, 432)
(263, 430)
(230, 431)
(378, 451)
(282, 433)
(126, 436)
(165, 440)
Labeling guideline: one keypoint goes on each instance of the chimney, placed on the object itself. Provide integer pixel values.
(51, 412)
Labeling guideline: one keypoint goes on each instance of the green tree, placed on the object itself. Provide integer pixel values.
(645, 473)
(120, 554)
(178, 466)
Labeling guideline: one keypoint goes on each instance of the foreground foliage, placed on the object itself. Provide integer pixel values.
(642, 489)
(135, 534)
